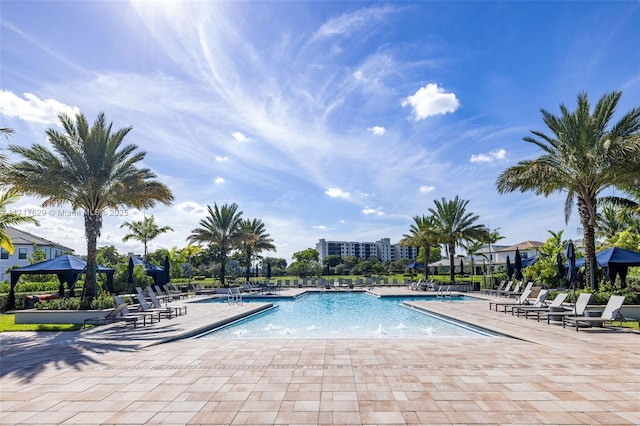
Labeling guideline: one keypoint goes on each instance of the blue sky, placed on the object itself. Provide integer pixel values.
(335, 120)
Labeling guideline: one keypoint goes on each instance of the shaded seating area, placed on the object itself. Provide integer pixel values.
(67, 268)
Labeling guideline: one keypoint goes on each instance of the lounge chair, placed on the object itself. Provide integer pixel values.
(578, 309)
(492, 291)
(179, 310)
(537, 302)
(415, 285)
(111, 317)
(522, 300)
(526, 310)
(427, 286)
(136, 313)
(513, 293)
(506, 289)
(611, 313)
(144, 305)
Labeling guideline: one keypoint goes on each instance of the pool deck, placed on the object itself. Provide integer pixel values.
(119, 375)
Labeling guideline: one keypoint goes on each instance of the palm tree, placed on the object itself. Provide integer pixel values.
(6, 132)
(455, 225)
(473, 248)
(492, 237)
(221, 229)
(422, 234)
(144, 231)
(8, 218)
(584, 155)
(254, 240)
(90, 169)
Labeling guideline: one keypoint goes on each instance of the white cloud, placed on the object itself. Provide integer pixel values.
(377, 130)
(369, 210)
(500, 154)
(350, 22)
(32, 108)
(219, 158)
(240, 137)
(431, 100)
(319, 227)
(218, 180)
(337, 193)
(191, 207)
(425, 189)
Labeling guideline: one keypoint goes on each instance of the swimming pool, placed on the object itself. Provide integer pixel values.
(345, 315)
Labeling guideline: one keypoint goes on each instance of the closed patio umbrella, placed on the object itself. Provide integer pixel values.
(559, 266)
(130, 271)
(509, 268)
(518, 266)
(572, 271)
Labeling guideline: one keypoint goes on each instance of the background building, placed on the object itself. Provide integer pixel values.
(382, 249)
(25, 244)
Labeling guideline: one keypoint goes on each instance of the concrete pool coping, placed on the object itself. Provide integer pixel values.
(118, 375)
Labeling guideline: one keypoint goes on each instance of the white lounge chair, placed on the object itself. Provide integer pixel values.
(522, 300)
(526, 310)
(611, 313)
(578, 309)
(178, 310)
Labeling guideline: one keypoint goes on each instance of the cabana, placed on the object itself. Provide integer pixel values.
(615, 261)
(66, 267)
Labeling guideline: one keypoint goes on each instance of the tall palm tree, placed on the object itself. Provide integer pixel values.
(221, 229)
(423, 234)
(473, 248)
(455, 225)
(8, 218)
(254, 240)
(90, 169)
(144, 231)
(492, 238)
(584, 154)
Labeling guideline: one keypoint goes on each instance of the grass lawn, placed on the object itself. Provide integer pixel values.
(7, 323)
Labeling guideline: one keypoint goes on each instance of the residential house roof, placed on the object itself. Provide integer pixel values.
(19, 237)
(525, 245)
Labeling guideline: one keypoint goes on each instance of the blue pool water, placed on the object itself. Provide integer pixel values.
(344, 315)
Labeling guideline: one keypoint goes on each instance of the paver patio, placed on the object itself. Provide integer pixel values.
(118, 375)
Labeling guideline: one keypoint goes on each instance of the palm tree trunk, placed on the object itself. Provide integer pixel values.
(223, 264)
(587, 218)
(452, 249)
(92, 226)
(426, 249)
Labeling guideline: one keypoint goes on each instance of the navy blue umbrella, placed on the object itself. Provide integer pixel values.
(167, 270)
(518, 266)
(509, 268)
(559, 266)
(572, 271)
(130, 272)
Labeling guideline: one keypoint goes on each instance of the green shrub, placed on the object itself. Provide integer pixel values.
(68, 304)
(32, 287)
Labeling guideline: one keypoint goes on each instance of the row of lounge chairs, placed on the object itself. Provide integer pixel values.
(149, 308)
(575, 316)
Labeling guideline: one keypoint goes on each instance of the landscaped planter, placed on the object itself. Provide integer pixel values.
(34, 316)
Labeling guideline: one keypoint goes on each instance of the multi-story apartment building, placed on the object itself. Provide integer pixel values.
(382, 249)
(25, 244)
